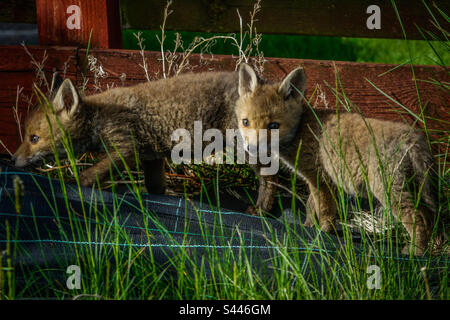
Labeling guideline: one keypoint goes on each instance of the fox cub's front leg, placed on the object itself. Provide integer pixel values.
(101, 169)
(155, 179)
(321, 207)
(266, 193)
(89, 176)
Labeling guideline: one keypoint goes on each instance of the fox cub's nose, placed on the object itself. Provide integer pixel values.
(13, 158)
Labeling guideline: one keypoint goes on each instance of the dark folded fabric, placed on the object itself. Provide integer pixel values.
(50, 225)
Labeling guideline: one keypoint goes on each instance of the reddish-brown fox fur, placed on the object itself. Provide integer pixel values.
(358, 154)
(336, 149)
(142, 117)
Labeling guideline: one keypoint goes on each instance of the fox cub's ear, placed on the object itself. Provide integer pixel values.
(295, 79)
(248, 80)
(66, 98)
(56, 83)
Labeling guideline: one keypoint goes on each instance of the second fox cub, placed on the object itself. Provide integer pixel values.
(359, 155)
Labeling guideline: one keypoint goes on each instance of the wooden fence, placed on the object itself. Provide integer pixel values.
(362, 83)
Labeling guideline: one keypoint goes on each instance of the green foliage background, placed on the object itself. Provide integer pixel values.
(313, 47)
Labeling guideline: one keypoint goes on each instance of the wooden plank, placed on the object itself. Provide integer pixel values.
(70, 22)
(306, 17)
(19, 11)
(17, 71)
(326, 17)
(322, 75)
(322, 78)
(123, 68)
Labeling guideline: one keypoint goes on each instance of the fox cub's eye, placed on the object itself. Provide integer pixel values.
(245, 122)
(34, 139)
(273, 125)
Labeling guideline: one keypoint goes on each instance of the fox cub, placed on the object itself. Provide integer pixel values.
(140, 117)
(122, 120)
(359, 155)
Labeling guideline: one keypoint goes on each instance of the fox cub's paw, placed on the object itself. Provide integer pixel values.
(439, 245)
(328, 226)
(256, 211)
(251, 210)
(87, 178)
(417, 251)
(309, 221)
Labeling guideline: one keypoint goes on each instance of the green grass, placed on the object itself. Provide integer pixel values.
(121, 271)
(311, 47)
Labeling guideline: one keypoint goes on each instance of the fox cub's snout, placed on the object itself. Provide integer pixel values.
(42, 126)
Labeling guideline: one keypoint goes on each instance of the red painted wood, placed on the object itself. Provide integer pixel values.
(321, 74)
(123, 68)
(100, 16)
